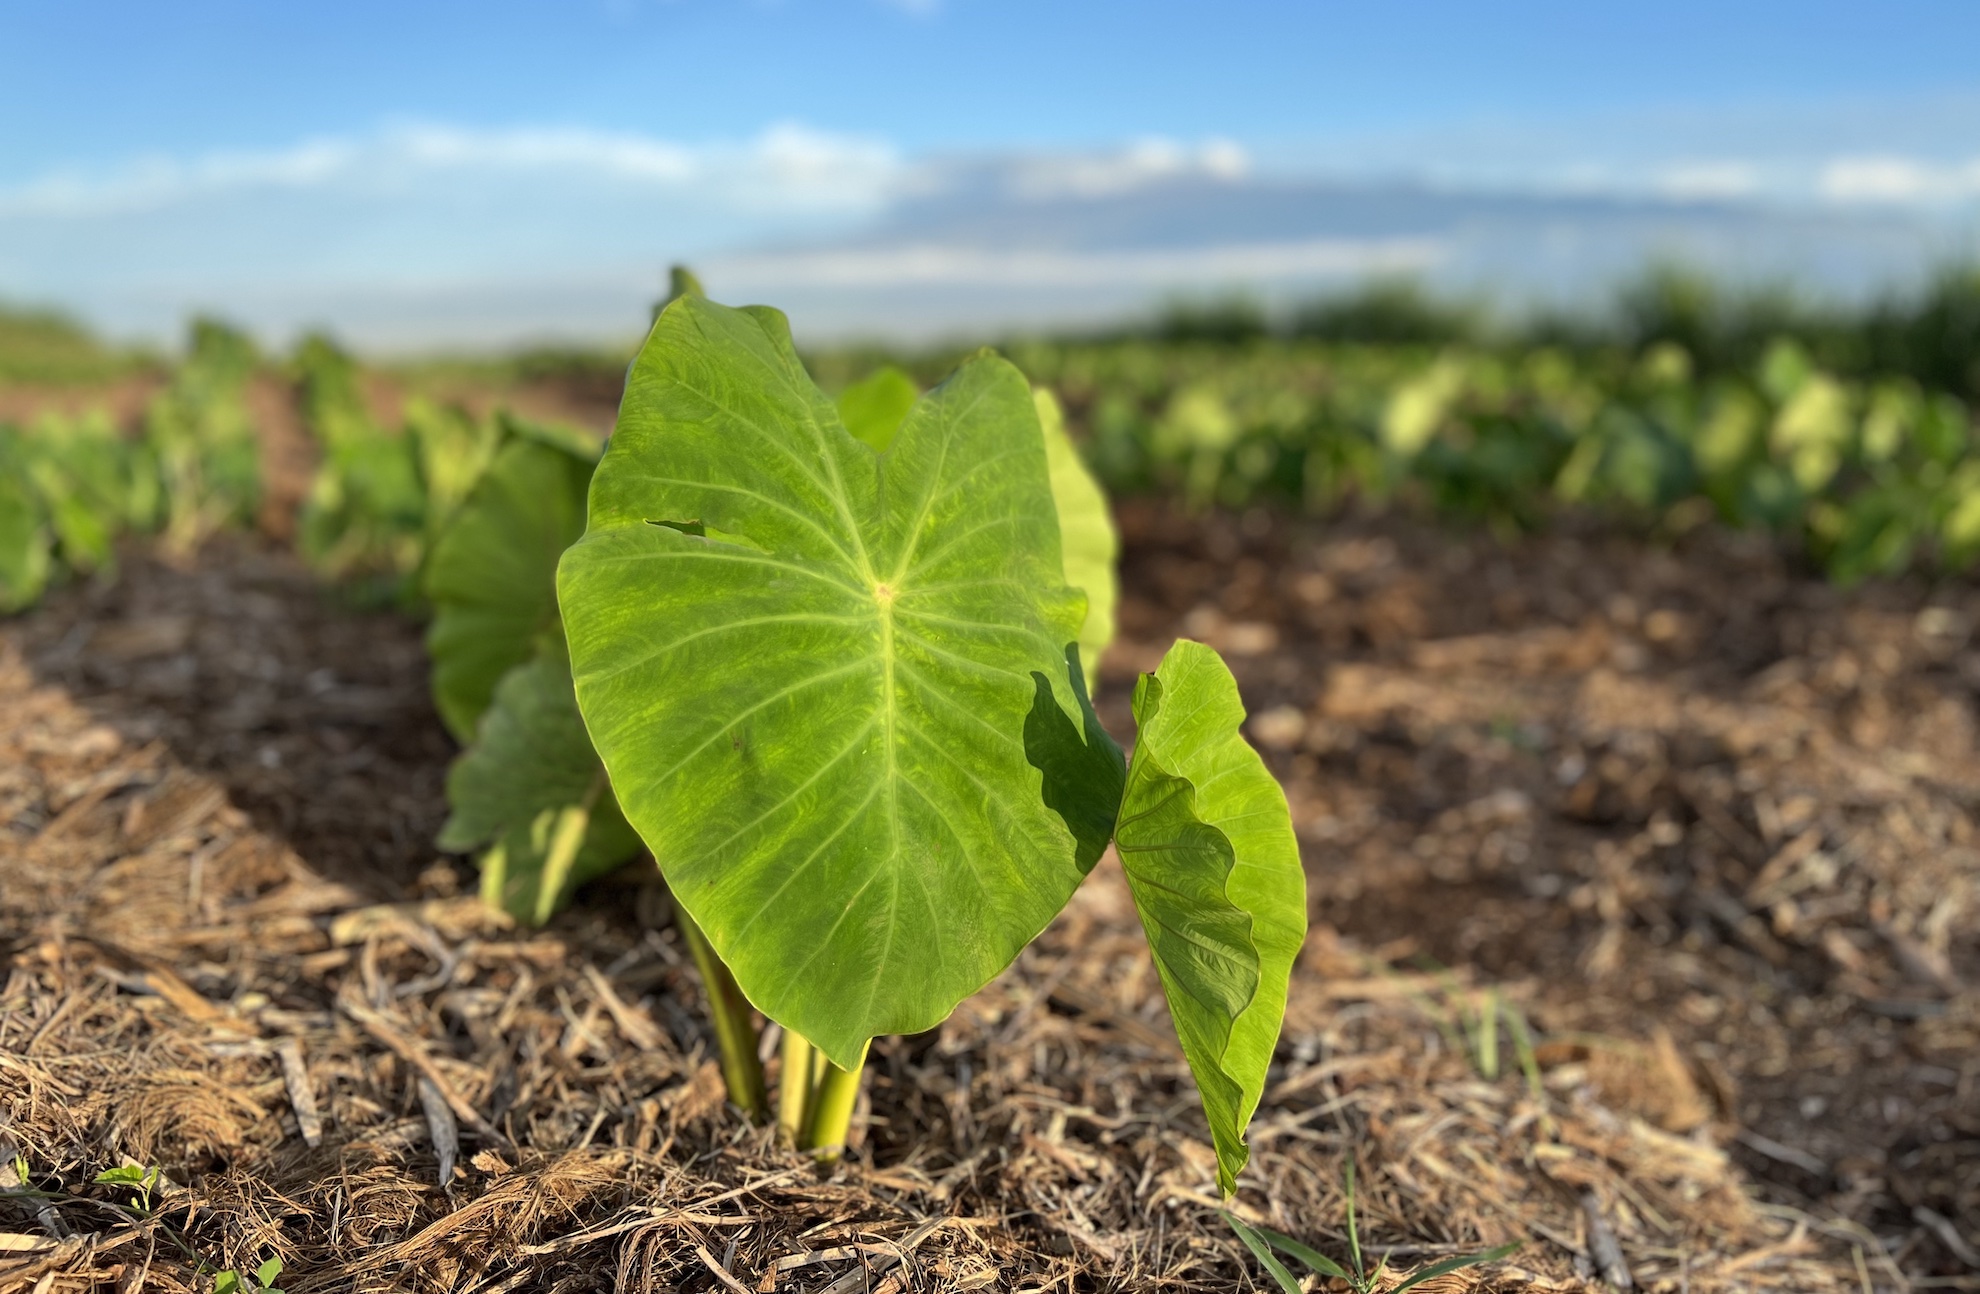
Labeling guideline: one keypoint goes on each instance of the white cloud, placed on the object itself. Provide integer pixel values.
(1101, 175)
(785, 164)
(1898, 180)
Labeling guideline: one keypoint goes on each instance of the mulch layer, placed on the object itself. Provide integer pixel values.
(1646, 923)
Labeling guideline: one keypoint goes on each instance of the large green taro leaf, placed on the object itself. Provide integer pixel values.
(1086, 533)
(1207, 844)
(873, 409)
(492, 578)
(830, 712)
(530, 772)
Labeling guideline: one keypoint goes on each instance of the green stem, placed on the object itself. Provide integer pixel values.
(495, 875)
(735, 1031)
(795, 1086)
(566, 838)
(832, 1110)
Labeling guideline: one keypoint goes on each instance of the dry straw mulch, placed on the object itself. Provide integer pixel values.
(406, 1096)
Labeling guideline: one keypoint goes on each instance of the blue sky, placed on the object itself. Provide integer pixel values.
(95, 81)
(154, 158)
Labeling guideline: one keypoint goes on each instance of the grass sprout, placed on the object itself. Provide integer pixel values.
(1262, 1241)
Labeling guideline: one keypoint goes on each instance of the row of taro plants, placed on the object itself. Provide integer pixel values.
(71, 485)
(1868, 475)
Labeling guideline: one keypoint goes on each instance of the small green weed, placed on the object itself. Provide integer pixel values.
(263, 1281)
(1472, 1029)
(1261, 1241)
(142, 1181)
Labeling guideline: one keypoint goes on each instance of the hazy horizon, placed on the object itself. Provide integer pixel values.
(472, 177)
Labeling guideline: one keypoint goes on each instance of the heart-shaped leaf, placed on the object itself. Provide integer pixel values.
(1207, 843)
(492, 578)
(533, 787)
(830, 711)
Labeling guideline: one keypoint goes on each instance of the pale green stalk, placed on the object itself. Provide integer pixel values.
(794, 1087)
(832, 1110)
(566, 838)
(735, 1030)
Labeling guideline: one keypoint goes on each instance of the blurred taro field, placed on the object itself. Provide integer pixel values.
(1846, 432)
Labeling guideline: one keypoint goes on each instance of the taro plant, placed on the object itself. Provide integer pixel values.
(94, 483)
(367, 506)
(454, 449)
(69, 487)
(835, 669)
(26, 542)
(528, 795)
(199, 433)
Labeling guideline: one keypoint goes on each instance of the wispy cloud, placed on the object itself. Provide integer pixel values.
(784, 164)
(423, 231)
(1903, 181)
(1106, 173)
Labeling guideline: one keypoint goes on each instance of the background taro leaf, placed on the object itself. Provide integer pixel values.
(1086, 533)
(573, 440)
(24, 539)
(1207, 843)
(84, 534)
(454, 449)
(531, 763)
(823, 734)
(85, 472)
(492, 575)
(872, 408)
(366, 510)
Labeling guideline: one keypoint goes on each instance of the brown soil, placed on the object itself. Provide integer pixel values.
(1688, 793)
(1704, 823)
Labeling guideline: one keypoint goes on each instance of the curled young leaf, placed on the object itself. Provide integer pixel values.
(819, 710)
(1207, 844)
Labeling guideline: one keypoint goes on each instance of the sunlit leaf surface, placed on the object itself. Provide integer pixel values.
(841, 714)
